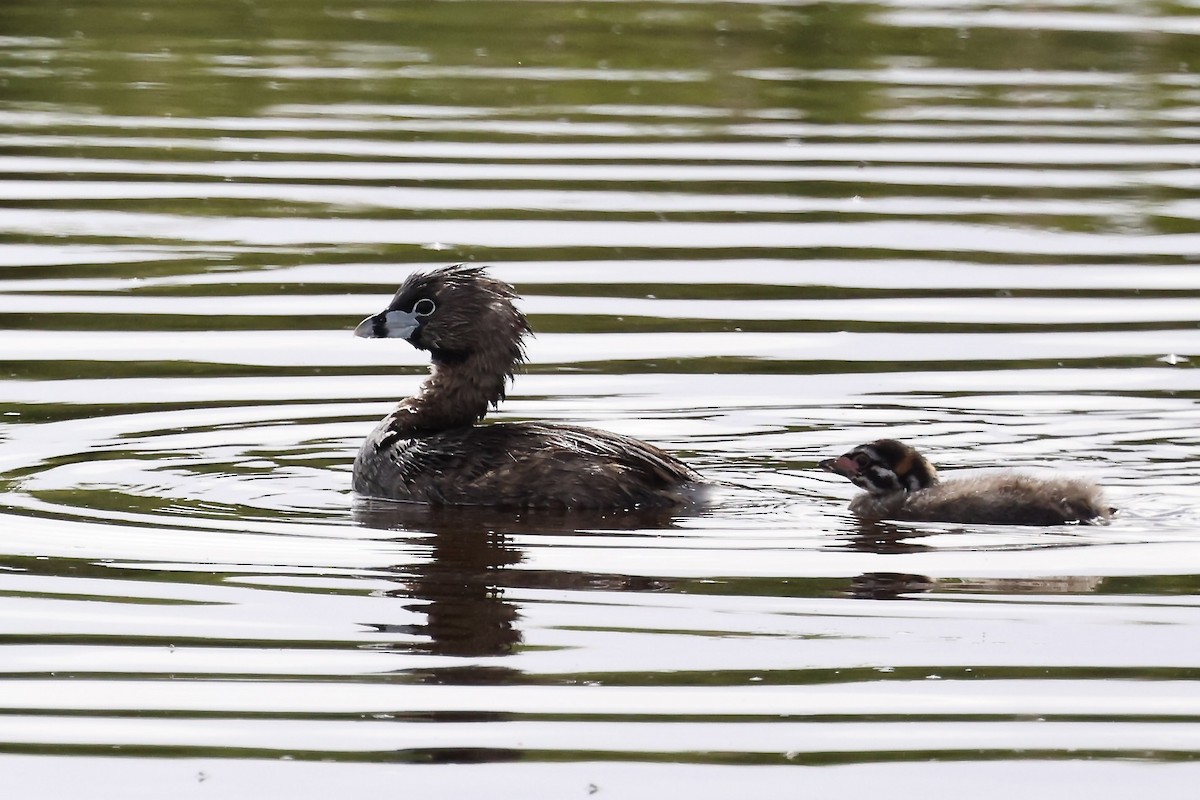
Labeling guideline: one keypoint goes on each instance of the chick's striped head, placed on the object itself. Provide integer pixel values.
(883, 467)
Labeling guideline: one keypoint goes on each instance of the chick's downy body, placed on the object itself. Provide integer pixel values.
(901, 484)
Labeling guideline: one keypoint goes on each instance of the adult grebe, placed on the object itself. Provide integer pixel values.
(431, 449)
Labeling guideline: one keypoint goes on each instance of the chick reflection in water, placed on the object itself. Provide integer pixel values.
(431, 450)
(901, 484)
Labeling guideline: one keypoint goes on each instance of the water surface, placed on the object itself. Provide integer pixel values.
(755, 234)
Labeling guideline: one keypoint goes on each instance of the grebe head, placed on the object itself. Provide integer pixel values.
(884, 467)
(455, 313)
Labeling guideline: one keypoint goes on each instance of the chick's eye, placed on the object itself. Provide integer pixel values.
(861, 459)
(424, 307)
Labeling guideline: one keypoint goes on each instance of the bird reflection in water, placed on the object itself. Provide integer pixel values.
(472, 561)
(881, 536)
(460, 589)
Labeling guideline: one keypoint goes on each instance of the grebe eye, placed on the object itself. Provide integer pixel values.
(424, 307)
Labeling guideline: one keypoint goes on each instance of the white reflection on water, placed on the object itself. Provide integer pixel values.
(1008, 175)
(899, 236)
(945, 310)
(313, 348)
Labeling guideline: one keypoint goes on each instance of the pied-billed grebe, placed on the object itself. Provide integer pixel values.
(430, 449)
(901, 484)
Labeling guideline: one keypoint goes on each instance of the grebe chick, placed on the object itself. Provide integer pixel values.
(430, 449)
(901, 484)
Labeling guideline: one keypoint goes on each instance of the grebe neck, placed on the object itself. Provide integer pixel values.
(458, 391)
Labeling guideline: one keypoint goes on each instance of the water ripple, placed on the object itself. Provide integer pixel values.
(753, 233)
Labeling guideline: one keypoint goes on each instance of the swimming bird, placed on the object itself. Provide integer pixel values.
(433, 448)
(902, 484)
